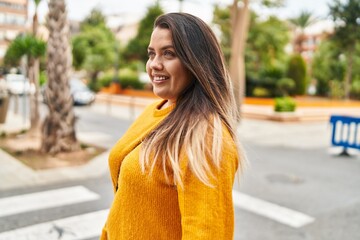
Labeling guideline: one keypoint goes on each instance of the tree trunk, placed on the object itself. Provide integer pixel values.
(240, 19)
(58, 131)
(348, 74)
(35, 23)
(33, 73)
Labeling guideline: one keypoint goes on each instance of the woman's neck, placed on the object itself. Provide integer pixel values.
(166, 104)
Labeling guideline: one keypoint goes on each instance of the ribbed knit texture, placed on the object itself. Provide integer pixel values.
(148, 207)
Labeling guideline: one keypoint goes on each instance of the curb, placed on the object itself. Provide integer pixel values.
(19, 175)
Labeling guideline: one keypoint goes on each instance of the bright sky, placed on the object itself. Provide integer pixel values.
(78, 9)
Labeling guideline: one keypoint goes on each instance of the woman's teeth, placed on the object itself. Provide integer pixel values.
(162, 78)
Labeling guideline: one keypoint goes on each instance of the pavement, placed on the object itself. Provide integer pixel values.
(294, 134)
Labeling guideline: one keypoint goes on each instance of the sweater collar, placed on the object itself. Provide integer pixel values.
(162, 112)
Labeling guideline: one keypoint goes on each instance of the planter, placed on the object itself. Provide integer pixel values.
(285, 116)
(4, 103)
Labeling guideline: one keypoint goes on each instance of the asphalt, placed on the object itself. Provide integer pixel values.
(295, 134)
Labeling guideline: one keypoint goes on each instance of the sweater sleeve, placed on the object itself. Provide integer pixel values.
(104, 234)
(207, 211)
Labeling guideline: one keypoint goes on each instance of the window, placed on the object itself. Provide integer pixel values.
(13, 5)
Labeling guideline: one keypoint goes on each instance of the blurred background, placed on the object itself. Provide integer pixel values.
(72, 80)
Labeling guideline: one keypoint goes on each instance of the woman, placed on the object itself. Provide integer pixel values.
(174, 169)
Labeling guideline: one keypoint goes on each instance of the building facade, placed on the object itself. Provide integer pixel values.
(13, 19)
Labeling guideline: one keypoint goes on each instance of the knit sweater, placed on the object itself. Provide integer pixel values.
(147, 206)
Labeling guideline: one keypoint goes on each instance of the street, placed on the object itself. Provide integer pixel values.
(295, 187)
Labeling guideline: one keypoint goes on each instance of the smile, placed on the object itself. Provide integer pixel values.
(159, 79)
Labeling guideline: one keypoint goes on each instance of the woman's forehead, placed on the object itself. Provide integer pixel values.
(160, 36)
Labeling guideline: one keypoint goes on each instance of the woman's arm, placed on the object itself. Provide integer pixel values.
(207, 212)
(104, 234)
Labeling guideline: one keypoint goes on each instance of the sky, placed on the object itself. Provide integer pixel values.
(79, 9)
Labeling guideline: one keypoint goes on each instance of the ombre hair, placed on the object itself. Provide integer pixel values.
(202, 110)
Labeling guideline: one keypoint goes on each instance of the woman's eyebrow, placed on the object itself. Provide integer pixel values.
(162, 48)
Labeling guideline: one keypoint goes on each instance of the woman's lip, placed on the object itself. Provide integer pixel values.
(160, 80)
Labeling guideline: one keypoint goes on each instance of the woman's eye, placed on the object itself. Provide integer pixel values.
(168, 53)
(151, 54)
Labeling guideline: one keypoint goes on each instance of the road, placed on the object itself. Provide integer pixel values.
(294, 187)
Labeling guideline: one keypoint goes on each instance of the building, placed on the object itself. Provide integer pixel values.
(13, 19)
(307, 42)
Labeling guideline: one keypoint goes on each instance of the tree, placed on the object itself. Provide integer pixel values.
(35, 18)
(240, 18)
(346, 33)
(300, 23)
(58, 131)
(297, 71)
(327, 65)
(93, 50)
(221, 19)
(94, 47)
(265, 44)
(24, 45)
(34, 69)
(137, 47)
(33, 49)
(95, 18)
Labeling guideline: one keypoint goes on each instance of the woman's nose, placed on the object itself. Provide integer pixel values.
(156, 64)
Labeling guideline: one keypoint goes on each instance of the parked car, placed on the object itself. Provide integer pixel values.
(19, 84)
(80, 93)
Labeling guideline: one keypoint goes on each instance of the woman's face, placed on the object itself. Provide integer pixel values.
(167, 73)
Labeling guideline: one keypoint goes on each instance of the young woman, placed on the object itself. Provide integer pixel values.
(173, 171)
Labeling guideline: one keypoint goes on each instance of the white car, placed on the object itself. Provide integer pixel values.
(18, 84)
(80, 93)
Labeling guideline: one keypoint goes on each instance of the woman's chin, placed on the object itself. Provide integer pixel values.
(160, 94)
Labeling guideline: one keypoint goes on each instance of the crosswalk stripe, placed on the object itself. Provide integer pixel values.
(79, 227)
(270, 210)
(46, 199)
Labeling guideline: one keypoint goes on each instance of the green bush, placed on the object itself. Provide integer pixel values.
(274, 72)
(297, 71)
(284, 104)
(42, 78)
(337, 90)
(94, 86)
(127, 77)
(355, 88)
(260, 92)
(105, 81)
(130, 81)
(286, 86)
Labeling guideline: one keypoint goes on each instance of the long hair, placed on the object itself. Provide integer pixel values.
(202, 110)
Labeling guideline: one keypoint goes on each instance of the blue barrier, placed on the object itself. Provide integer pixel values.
(345, 132)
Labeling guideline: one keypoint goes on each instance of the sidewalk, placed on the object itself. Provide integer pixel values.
(300, 134)
(309, 110)
(14, 174)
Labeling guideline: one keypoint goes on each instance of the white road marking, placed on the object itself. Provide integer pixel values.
(47, 199)
(275, 212)
(72, 228)
(95, 138)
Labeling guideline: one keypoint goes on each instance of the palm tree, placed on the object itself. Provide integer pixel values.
(345, 15)
(35, 18)
(34, 63)
(304, 20)
(33, 49)
(240, 21)
(58, 130)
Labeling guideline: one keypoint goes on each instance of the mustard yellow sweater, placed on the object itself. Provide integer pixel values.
(148, 207)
